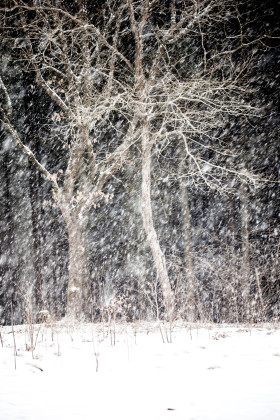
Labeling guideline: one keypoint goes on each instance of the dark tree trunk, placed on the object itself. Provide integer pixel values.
(9, 271)
(37, 239)
(187, 240)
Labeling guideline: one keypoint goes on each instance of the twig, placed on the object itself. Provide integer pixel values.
(15, 347)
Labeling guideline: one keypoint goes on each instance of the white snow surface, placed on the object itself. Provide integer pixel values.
(76, 372)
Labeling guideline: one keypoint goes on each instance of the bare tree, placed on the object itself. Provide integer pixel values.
(186, 88)
(74, 64)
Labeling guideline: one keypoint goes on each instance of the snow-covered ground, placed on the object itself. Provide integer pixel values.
(75, 373)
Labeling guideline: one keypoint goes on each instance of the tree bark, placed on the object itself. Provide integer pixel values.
(77, 270)
(74, 208)
(147, 214)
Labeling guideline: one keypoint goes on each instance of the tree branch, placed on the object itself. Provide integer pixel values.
(7, 96)
(9, 127)
(75, 19)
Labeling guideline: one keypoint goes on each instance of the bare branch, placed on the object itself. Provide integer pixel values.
(8, 99)
(75, 19)
(9, 127)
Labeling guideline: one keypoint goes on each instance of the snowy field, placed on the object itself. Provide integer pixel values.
(208, 372)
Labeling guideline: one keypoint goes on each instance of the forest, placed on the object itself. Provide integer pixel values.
(139, 160)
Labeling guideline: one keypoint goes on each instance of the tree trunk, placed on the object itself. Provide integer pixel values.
(158, 256)
(37, 243)
(77, 270)
(245, 262)
(10, 271)
(186, 233)
(23, 234)
(147, 214)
